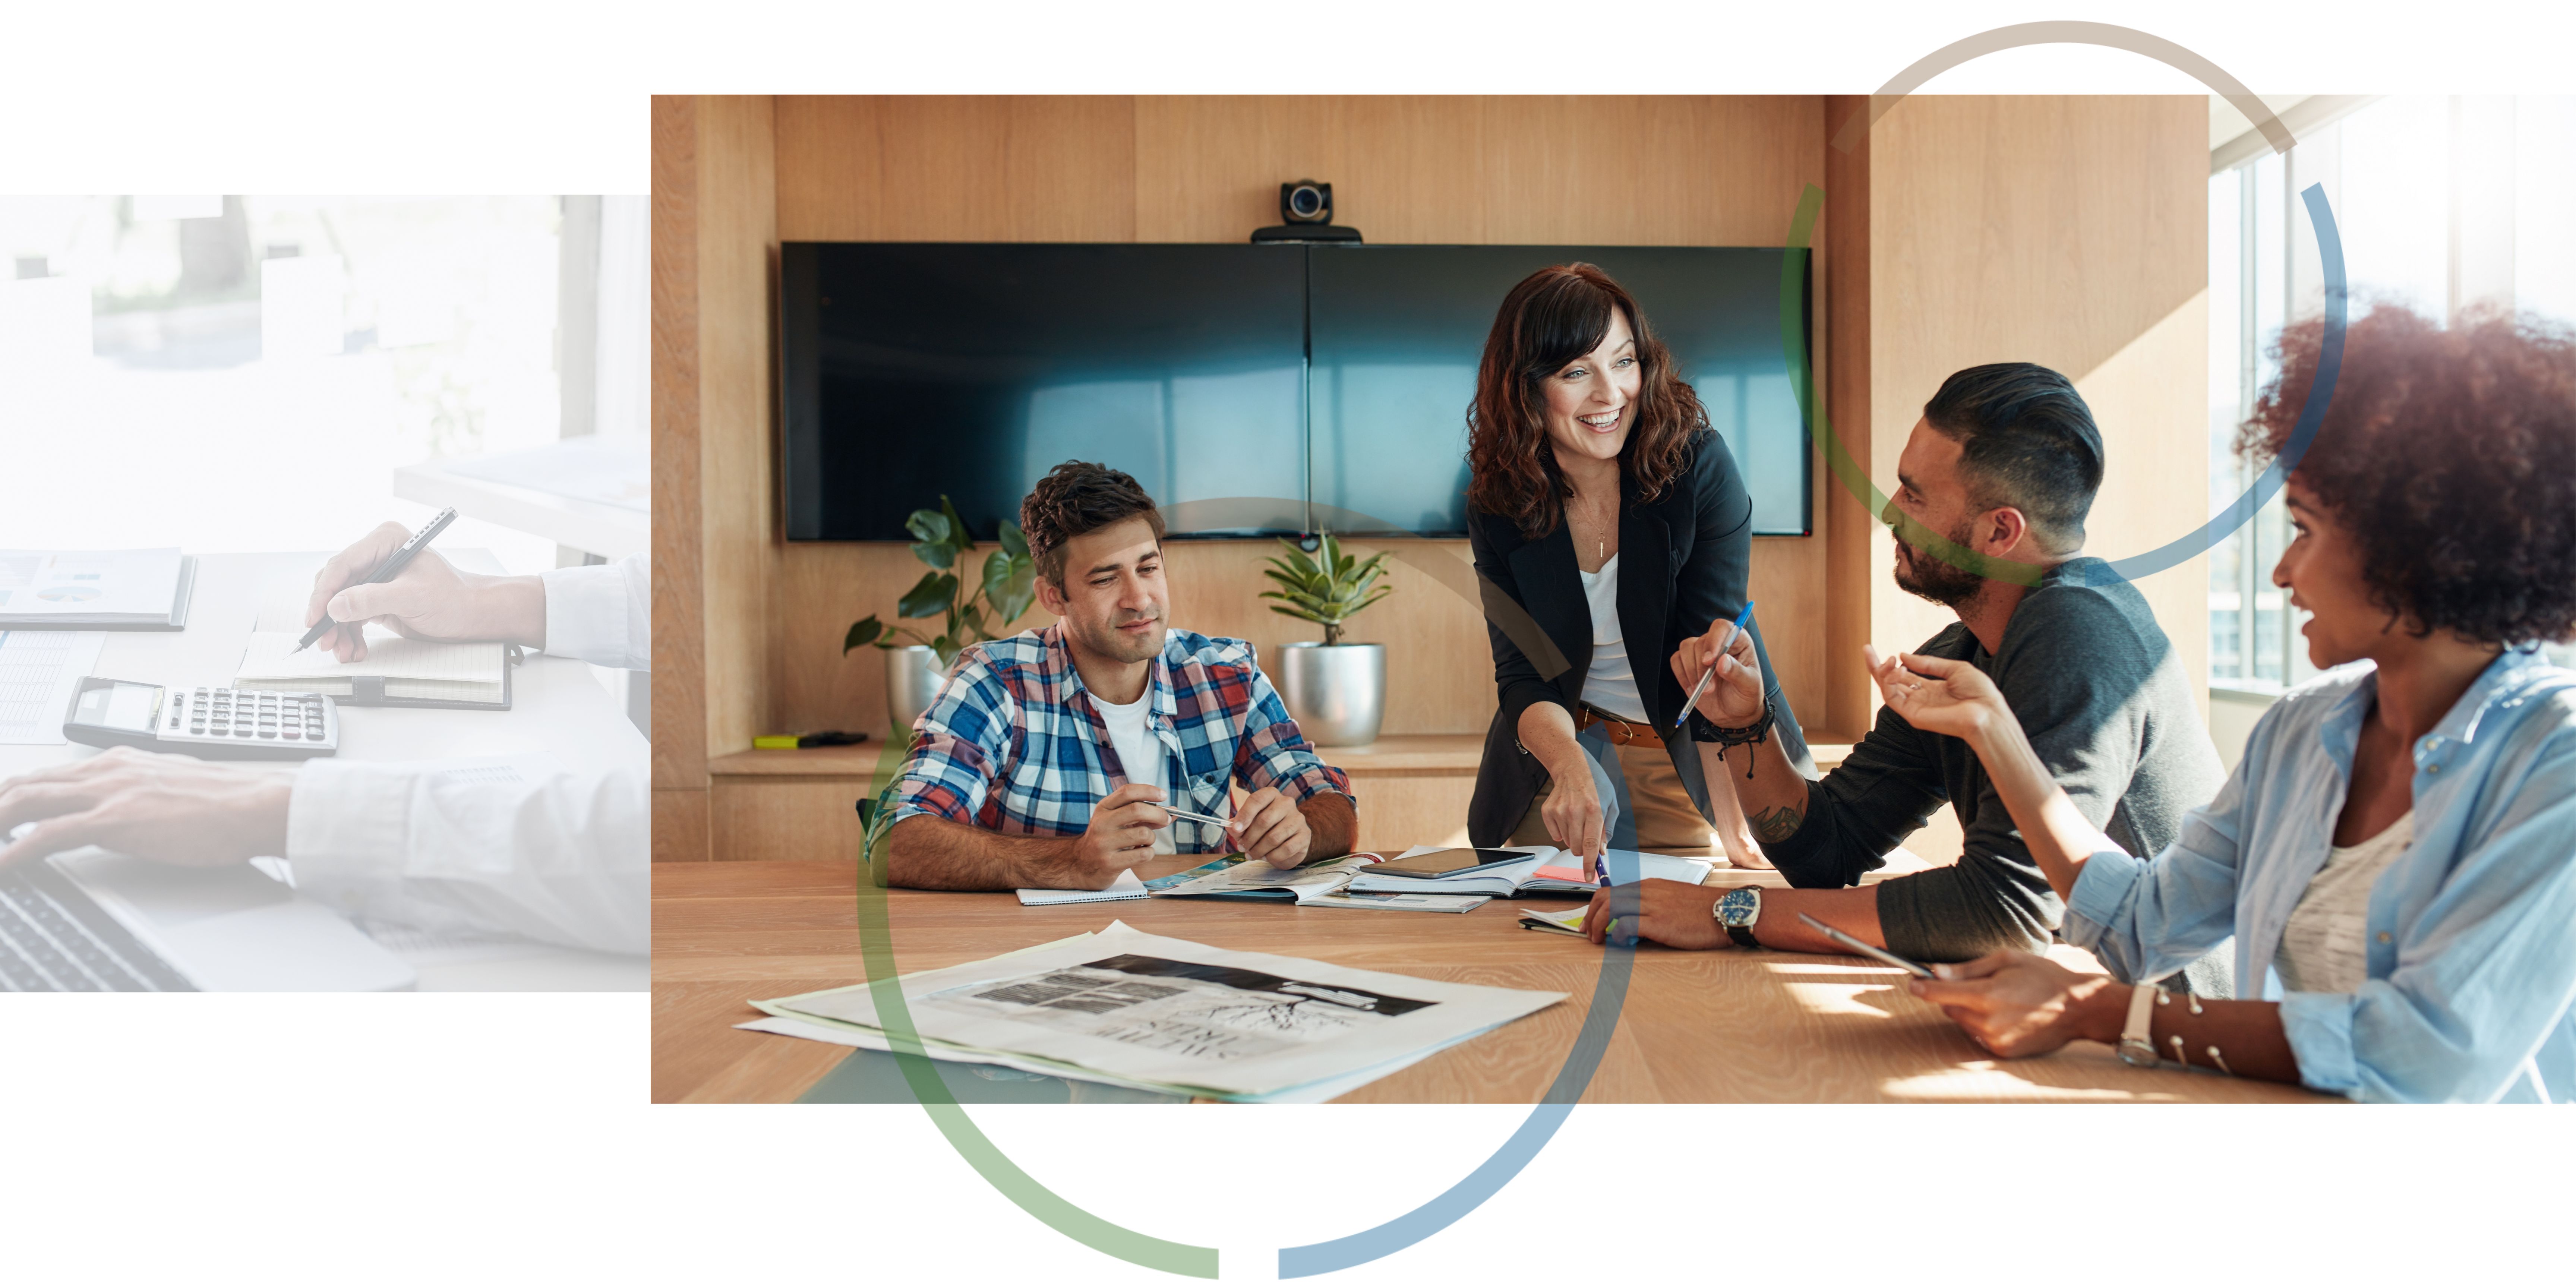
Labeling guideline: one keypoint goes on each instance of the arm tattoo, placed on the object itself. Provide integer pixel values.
(1773, 826)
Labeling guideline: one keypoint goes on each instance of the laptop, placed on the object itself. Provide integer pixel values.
(88, 921)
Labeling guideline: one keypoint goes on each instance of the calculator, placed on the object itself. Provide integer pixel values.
(217, 724)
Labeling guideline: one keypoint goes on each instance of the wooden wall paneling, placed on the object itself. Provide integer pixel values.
(786, 818)
(1208, 167)
(679, 745)
(1401, 810)
(949, 168)
(2070, 232)
(738, 238)
(1850, 530)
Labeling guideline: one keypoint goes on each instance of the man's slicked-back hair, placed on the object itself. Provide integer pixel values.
(2026, 440)
(1078, 497)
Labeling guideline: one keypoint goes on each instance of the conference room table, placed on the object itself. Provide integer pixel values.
(1696, 1027)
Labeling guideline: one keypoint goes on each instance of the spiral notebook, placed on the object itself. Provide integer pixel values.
(1125, 887)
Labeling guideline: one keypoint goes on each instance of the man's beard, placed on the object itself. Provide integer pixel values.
(1935, 578)
(1105, 639)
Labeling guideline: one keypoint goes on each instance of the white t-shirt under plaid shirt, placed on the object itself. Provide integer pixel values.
(1014, 743)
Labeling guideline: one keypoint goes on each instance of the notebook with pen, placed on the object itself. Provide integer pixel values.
(396, 672)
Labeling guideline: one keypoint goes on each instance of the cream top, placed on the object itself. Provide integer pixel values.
(2324, 949)
(1609, 683)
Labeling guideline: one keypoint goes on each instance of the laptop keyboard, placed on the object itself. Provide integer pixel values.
(54, 938)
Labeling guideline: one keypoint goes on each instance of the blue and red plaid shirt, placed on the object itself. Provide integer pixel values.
(1013, 744)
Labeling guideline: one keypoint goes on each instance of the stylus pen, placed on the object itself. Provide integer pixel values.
(1195, 818)
(1913, 968)
(388, 570)
(1702, 687)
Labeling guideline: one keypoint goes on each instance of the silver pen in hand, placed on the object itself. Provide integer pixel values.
(1704, 676)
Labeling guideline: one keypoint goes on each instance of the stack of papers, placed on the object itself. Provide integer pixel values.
(94, 590)
(1167, 1015)
(1545, 871)
(1238, 877)
(1318, 884)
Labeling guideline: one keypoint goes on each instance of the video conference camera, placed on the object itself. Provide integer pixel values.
(1306, 212)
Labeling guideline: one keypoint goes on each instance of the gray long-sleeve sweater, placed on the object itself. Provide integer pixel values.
(2106, 705)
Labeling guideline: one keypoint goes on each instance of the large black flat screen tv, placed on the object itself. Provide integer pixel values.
(913, 370)
(1251, 389)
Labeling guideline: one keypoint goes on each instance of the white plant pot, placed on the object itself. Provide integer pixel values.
(1336, 693)
(913, 677)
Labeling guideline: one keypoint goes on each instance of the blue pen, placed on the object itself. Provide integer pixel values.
(1702, 687)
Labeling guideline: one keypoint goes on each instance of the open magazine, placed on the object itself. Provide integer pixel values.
(1547, 871)
(1321, 883)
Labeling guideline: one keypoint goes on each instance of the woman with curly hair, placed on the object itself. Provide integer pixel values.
(2396, 853)
(1615, 524)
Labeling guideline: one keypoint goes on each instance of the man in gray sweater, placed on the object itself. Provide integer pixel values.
(1994, 484)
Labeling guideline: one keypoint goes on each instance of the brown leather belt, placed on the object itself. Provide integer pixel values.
(1621, 733)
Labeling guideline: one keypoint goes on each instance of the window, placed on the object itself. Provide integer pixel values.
(247, 373)
(2444, 204)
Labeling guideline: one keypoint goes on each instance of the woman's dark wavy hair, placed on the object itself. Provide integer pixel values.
(1554, 316)
(2449, 456)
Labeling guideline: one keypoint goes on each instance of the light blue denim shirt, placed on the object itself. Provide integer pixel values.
(2472, 931)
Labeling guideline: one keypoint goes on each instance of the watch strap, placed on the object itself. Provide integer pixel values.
(2137, 1042)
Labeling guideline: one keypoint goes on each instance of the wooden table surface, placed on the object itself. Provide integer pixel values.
(1697, 1027)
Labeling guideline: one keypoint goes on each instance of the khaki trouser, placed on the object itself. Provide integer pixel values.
(1667, 822)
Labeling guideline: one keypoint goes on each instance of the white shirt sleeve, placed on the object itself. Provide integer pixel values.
(566, 860)
(601, 613)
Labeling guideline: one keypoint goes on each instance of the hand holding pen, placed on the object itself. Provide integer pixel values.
(1715, 661)
(1267, 826)
(418, 595)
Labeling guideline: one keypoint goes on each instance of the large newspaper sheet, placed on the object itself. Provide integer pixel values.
(1145, 1009)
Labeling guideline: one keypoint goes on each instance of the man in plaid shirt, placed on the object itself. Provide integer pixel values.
(1046, 757)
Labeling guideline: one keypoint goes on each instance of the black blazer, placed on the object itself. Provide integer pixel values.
(1684, 558)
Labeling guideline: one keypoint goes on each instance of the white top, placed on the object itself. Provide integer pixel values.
(601, 613)
(1609, 684)
(564, 859)
(2324, 948)
(1140, 753)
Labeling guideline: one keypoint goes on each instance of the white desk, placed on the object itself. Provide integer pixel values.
(557, 709)
(509, 489)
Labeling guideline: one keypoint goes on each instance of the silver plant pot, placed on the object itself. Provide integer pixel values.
(913, 677)
(1336, 693)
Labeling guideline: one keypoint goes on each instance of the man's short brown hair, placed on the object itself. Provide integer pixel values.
(1078, 497)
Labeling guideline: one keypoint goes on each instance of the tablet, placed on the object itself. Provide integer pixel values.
(1447, 863)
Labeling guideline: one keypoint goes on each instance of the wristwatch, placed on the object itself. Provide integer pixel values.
(2137, 1045)
(1737, 912)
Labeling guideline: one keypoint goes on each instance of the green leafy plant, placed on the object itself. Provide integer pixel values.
(1004, 589)
(1327, 588)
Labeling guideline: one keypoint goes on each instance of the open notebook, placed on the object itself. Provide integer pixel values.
(396, 672)
(1546, 872)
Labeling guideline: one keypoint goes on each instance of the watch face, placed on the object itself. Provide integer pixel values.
(1740, 906)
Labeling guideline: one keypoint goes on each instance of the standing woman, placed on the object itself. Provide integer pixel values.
(1614, 523)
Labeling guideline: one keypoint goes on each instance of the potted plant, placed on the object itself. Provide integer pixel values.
(1003, 590)
(1336, 692)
